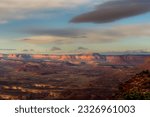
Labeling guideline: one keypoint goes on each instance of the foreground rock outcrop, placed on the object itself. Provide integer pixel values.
(137, 88)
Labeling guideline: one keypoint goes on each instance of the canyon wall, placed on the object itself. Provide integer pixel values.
(78, 58)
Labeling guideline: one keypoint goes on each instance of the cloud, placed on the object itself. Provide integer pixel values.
(21, 9)
(7, 49)
(61, 32)
(90, 36)
(55, 49)
(82, 48)
(118, 33)
(114, 10)
(40, 40)
(25, 50)
(53, 36)
(32, 50)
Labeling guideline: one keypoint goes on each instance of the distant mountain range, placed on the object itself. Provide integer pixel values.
(82, 58)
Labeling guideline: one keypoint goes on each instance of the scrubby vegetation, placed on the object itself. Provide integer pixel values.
(137, 88)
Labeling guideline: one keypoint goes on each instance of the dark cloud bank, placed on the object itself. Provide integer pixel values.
(114, 10)
(55, 49)
(82, 48)
(68, 32)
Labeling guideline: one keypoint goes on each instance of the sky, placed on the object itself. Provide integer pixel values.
(74, 26)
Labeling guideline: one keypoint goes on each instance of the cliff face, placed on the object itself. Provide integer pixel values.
(146, 65)
(126, 59)
(88, 58)
(137, 88)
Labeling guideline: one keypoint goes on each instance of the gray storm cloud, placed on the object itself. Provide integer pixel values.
(114, 10)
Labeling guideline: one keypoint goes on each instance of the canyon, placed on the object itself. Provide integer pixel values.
(81, 58)
(79, 76)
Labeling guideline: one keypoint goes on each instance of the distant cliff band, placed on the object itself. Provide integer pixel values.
(88, 58)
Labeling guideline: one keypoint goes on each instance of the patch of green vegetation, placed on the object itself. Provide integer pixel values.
(144, 72)
(136, 95)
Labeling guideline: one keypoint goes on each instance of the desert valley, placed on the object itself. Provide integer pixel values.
(78, 76)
